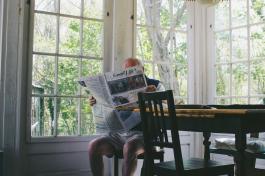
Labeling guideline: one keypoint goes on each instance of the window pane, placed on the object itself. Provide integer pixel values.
(42, 116)
(223, 101)
(239, 12)
(44, 33)
(180, 100)
(179, 43)
(180, 64)
(144, 45)
(93, 38)
(239, 44)
(90, 68)
(141, 19)
(68, 116)
(161, 49)
(46, 5)
(69, 36)
(43, 74)
(222, 15)
(165, 18)
(222, 44)
(157, 73)
(87, 122)
(257, 41)
(260, 100)
(239, 101)
(180, 84)
(68, 74)
(222, 80)
(240, 79)
(180, 13)
(164, 74)
(257, 72)
(148, 70)
(257, 11)
(70, 7)
(93, 9)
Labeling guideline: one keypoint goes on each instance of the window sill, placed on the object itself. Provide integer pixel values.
(62, 139)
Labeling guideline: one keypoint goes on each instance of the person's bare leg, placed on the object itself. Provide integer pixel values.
(131, 150)
(96, 149)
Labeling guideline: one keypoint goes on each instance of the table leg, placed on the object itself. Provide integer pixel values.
(206, 144)
(240, 156)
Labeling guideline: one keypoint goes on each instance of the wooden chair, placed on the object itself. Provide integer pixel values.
(251, 155)
(156, 119)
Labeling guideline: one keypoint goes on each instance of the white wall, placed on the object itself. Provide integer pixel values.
(13, 95)
(123, 31)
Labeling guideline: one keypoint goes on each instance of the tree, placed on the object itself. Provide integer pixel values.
(157, 41)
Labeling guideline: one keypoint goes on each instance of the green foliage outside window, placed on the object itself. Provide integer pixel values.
(56, 94)
(241, 74)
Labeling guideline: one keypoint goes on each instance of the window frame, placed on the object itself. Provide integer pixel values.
(107, 21)
(212, 65)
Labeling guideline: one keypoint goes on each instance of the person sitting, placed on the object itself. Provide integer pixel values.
(130, 142)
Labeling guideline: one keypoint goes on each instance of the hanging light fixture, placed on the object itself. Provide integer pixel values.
(207, 2)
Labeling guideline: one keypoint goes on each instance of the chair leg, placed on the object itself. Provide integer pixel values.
(116, 166)
(143, 169)
(162, 158)
(232, 173)
(250, 164)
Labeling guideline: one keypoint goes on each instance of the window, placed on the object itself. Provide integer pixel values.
(240, 52)
(161, 43)
(67, 44)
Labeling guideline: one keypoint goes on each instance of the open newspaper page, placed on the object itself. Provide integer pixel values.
(112, 90)
(124, 87)
(98, 88)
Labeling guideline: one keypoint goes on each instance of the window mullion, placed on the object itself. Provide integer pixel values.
(170, 62)
(248, 48)
(80, 67)
(231, 48)
(55, 123)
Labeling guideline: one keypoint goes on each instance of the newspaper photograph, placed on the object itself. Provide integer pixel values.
(124, 86)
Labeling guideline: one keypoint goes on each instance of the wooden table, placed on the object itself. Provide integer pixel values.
(235, 121)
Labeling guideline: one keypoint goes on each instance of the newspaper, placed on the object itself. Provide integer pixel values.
(112, 90)
(116, 89)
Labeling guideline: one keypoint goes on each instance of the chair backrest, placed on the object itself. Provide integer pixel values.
(158, 114)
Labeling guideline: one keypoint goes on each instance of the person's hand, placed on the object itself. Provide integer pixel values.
(150, 88)
(92, 101)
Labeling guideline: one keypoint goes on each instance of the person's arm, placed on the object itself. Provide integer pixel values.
(153, 88)
(160, 87)
(150, 88)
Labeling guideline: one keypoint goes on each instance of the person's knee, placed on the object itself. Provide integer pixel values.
(94, 146)
(100, 146)
(130, 149)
